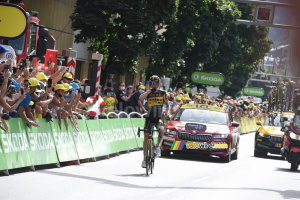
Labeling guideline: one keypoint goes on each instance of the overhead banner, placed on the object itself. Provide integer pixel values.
(254, 92)
(15, 145)
(130, 136)
(208, 78)
(64, 142)
(138, 123)
(41, 144)
(82, 141)
(100, 143)
(13, 22)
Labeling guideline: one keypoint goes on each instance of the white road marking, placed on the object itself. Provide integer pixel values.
(201, 179)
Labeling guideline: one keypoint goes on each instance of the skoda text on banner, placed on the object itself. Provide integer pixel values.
(130, 135)
(64, 142)
(41, 144)
(109, 136)
(138, 123)
(82, 141)
(3, 165)
(119, 136)
(99, 143)
(15, 145)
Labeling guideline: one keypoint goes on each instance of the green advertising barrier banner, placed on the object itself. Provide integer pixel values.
(15, 145)
(64, 142)
(130, 135)
(138, 123)
(3, 165)
(82, 140)
(119, 136)
(99, 143)
(108, 135)
(41, 144)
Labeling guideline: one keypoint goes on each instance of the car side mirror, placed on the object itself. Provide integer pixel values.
(258, 123)
(235, 124)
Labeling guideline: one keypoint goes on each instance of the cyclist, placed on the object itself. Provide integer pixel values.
(155, 98)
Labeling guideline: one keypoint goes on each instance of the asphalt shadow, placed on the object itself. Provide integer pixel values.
(286, 194)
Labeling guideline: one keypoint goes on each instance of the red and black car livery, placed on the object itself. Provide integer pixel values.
(203, 129)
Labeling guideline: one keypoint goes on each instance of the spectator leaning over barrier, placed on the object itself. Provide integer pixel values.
(24, 111)
(58, 103)
(69, 91)
(4, 106)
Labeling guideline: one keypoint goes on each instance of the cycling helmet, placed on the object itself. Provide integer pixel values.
(154, 78)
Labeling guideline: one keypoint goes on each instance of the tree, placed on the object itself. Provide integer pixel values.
(192, 35)
(120, 29)
(238, 54)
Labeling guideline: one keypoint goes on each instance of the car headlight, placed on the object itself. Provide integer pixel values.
(168, 131)
(220, 136)
(294, 136)
(263, 135)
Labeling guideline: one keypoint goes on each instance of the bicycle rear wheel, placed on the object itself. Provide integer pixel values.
(148, 158)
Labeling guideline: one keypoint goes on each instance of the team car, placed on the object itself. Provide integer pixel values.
(202, 129)
(269, 137)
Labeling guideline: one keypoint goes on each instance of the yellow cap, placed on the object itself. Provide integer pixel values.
(33, 82)
(67, 87)
(142, 87)
(31, 103)
(168, 94)
(59, 87)
(178, 99)
(181, 96)
(68, 76)
(41, 76)
(186, 95)
(238, 104)
(225, 101)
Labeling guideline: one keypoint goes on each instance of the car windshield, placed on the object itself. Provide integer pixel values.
(18, 44)
(273, 121)
(201, 116)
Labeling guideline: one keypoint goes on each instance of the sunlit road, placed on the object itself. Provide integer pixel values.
(177, 177)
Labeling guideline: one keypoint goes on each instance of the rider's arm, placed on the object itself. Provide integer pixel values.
(144, 95)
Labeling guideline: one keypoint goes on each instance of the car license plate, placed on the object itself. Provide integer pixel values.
(194, 145)
(278, 145)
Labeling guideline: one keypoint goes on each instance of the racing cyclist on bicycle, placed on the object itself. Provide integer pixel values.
(155, 98)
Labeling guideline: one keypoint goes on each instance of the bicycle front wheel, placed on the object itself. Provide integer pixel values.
(148, 157)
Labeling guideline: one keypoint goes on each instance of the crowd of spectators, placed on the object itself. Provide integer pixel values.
(30, 94)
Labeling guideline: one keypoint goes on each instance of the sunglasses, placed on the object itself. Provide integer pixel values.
(153, 83)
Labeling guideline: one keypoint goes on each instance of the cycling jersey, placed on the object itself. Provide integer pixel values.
(155, 103)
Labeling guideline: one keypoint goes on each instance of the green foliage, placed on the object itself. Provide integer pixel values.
(197, 35)
(121, 29)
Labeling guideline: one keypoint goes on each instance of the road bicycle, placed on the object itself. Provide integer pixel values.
(150, 153)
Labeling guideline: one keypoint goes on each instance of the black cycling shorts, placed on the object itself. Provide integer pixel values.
(156, 121)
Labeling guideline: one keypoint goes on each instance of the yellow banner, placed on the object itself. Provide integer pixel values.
(13, 21)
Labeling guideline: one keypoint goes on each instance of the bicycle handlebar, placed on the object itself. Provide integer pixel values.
(139, 129)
